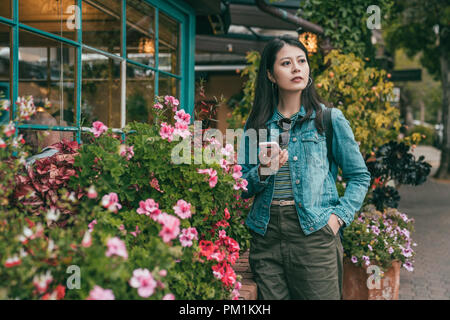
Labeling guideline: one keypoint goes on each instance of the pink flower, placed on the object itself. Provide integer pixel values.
(212, 176)
(235, 293)
(135, 233)
(375, 230)
(227, 213)
(158, 105)
(182, 130)
(163, 273)
(9, 129)
(408, 266)
(224, 164)
(42, 281)
(228, 150)
(172, 101)
(183, 209)
(92, 193)
(187, 235)
(150, 208)
(87, 239)
(182, 117)
(2, 143)
(111, 202)
(98, 293)
(212, 181)
(241, 184)
(126, 151)
(237, 172)
(98, 128)
(154, 183)
(145, 283)
(169, 296)
(407, 252)
(354, 259)
(92, 224)
(116, 247)
(367, 260)
(224, 272)
(170, 226)
(166, 131)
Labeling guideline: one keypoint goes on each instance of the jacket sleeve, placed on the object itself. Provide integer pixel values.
(347, 155)
(248, 160)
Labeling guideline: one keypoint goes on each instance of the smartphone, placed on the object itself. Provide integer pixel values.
(270, 149)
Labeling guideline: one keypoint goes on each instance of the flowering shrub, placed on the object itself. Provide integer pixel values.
(380, 238)
(120, 216)
(186, 204)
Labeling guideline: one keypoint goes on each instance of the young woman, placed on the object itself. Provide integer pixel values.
(296, 216)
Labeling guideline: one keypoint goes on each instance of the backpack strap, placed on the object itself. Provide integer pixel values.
(328, 126)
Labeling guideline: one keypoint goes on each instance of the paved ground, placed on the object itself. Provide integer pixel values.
(429, 205)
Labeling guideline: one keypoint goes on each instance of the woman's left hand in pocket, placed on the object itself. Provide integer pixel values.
(334, 223)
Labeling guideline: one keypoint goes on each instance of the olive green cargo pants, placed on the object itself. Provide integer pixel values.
(286, 264)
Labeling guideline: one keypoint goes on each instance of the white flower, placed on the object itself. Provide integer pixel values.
(53, 214)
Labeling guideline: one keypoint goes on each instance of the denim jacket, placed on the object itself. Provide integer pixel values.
(313, 184)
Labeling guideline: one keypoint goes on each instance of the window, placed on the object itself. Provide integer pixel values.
(88, 60)
(5, 64)
(46, 71)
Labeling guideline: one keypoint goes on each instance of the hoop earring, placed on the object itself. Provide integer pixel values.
(309, 83)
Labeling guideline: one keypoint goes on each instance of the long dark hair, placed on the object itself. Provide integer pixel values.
(266, 96)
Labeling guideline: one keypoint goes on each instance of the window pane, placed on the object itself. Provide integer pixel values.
(4, 69)
(56, 17)
(39, 139)
(169, 44)
(5, 9)
(101, 24)
(46, 71)
(140, 32)
(168, 86)
(100, 90)
(140, 94)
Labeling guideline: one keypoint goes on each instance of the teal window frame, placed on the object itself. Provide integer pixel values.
(175, 9)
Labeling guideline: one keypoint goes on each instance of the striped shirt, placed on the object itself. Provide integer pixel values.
(283, 186)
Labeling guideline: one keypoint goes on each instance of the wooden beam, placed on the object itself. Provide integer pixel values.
(228, 44)
(252, 16)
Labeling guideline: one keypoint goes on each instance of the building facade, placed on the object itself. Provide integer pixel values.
(88, 60)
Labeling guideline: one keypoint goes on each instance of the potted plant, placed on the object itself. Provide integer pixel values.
(376, 246)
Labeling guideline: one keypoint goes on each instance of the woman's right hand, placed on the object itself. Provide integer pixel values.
(270, 164)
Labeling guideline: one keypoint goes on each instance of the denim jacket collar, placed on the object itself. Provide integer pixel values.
(301, 114)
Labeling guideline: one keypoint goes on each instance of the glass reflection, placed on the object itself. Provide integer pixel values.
(140, 94)
(54, 16)
(5, 9)
(5, 56)
(100, 90)
(46, 71)
(169, 44)
(140, 32)
(168, 86)
(101, 24)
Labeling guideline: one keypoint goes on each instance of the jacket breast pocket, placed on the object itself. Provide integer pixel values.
(315, 149)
